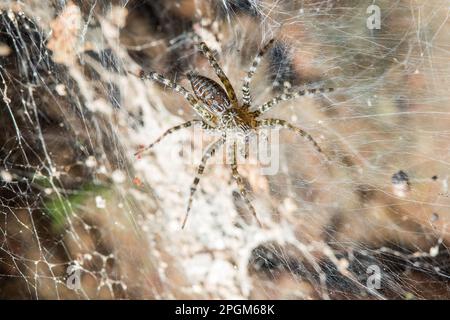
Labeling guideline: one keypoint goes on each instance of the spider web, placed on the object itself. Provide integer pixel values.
(82, 218)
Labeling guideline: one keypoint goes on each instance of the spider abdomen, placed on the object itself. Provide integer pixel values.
(210, 93)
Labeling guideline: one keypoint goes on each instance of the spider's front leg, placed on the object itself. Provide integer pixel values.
(198, 107)
(241, 185)
(219, 72)
(283, 124)
(206, 156)
(246, 97)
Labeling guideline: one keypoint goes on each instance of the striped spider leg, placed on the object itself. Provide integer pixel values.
(212, 149)
(246, 97)
(283, 124)
(205, 114)
(186, 124)
(240, 183)
(219, 72)
(288, 95)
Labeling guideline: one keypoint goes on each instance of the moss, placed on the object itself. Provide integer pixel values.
(61, 207)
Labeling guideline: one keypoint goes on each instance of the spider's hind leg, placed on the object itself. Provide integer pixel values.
(240, 183)
(169, 131)
(206, 156)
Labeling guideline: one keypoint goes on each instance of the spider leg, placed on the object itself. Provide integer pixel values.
(219, 72)
(173, 129)
(287, 87)
(285, 96)
(278, 123)
(246, 97)
(208, 154)
(241, 186)
(198, 107)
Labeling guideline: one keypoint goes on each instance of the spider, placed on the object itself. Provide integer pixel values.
(220, 110)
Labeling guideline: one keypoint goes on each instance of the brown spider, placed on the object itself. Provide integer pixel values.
(220, 110)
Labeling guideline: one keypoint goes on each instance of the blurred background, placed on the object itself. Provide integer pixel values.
(82, 218)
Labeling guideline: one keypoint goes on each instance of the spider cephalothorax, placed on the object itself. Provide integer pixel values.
(220, 110)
